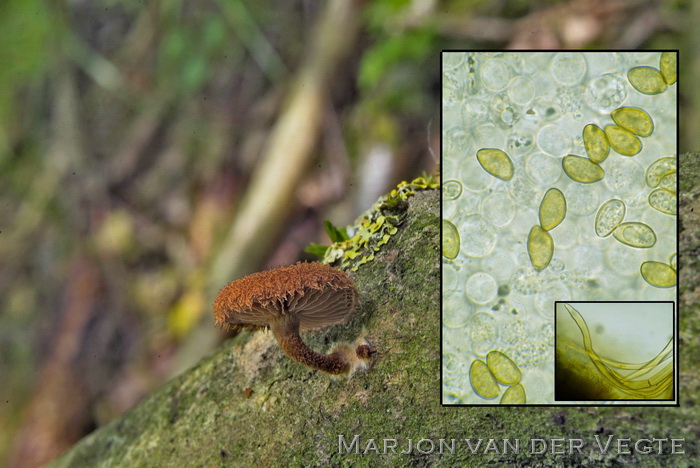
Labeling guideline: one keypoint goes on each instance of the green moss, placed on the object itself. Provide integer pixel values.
(690, 172)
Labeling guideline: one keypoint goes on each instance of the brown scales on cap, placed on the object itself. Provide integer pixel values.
(304, 296)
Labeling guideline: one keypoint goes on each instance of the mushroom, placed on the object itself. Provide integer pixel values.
(303, 296)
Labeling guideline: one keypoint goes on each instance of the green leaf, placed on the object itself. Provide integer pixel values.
(335, 234)
(316, 249)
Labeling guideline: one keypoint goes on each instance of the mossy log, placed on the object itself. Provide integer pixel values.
(249, 405)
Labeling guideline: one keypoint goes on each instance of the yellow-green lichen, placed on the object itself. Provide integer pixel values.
(374, 227)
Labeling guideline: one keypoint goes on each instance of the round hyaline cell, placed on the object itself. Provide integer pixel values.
(554, 140)
(479, 236)
(451, 362)
(481, 288)
(499, 264)
(451, 189)
(543, 168)
(498, 208)
(583, 198)
(605, 93)
(567, 236)
(623, 260)
(623, 176)
(455, 138)
(568, 68)
(449, 278)
(502, 111)
(521, 90)
(487, 135)
(473, 175)
(456, 311)
(523, 191)
(467, 203)
(483, 332)
(452, 60)
(496, 74)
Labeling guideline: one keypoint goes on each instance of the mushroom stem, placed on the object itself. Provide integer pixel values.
(286, 331)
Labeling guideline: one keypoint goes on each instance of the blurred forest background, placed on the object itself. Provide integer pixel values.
(150, 152)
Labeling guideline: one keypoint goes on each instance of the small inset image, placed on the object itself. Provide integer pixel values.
(615, 352)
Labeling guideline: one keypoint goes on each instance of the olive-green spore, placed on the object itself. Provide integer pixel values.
(483, 382)
(503, 368)
(514, 395)
(552, 209)
(633, 119)
(647, 80)
(450, 240)
(623, 141)
(496, 162)
(582, 169)
(596, 143)
(658, 274)
(668, 67)
(540, 247)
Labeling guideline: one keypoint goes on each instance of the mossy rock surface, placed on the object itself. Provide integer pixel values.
(249, 405)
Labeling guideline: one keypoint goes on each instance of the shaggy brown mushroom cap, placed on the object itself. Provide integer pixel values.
(319, 295)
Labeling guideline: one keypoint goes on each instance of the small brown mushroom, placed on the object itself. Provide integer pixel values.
(303, 296)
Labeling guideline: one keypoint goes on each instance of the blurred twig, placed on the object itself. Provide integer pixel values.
(102, 71)
(247, 30)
